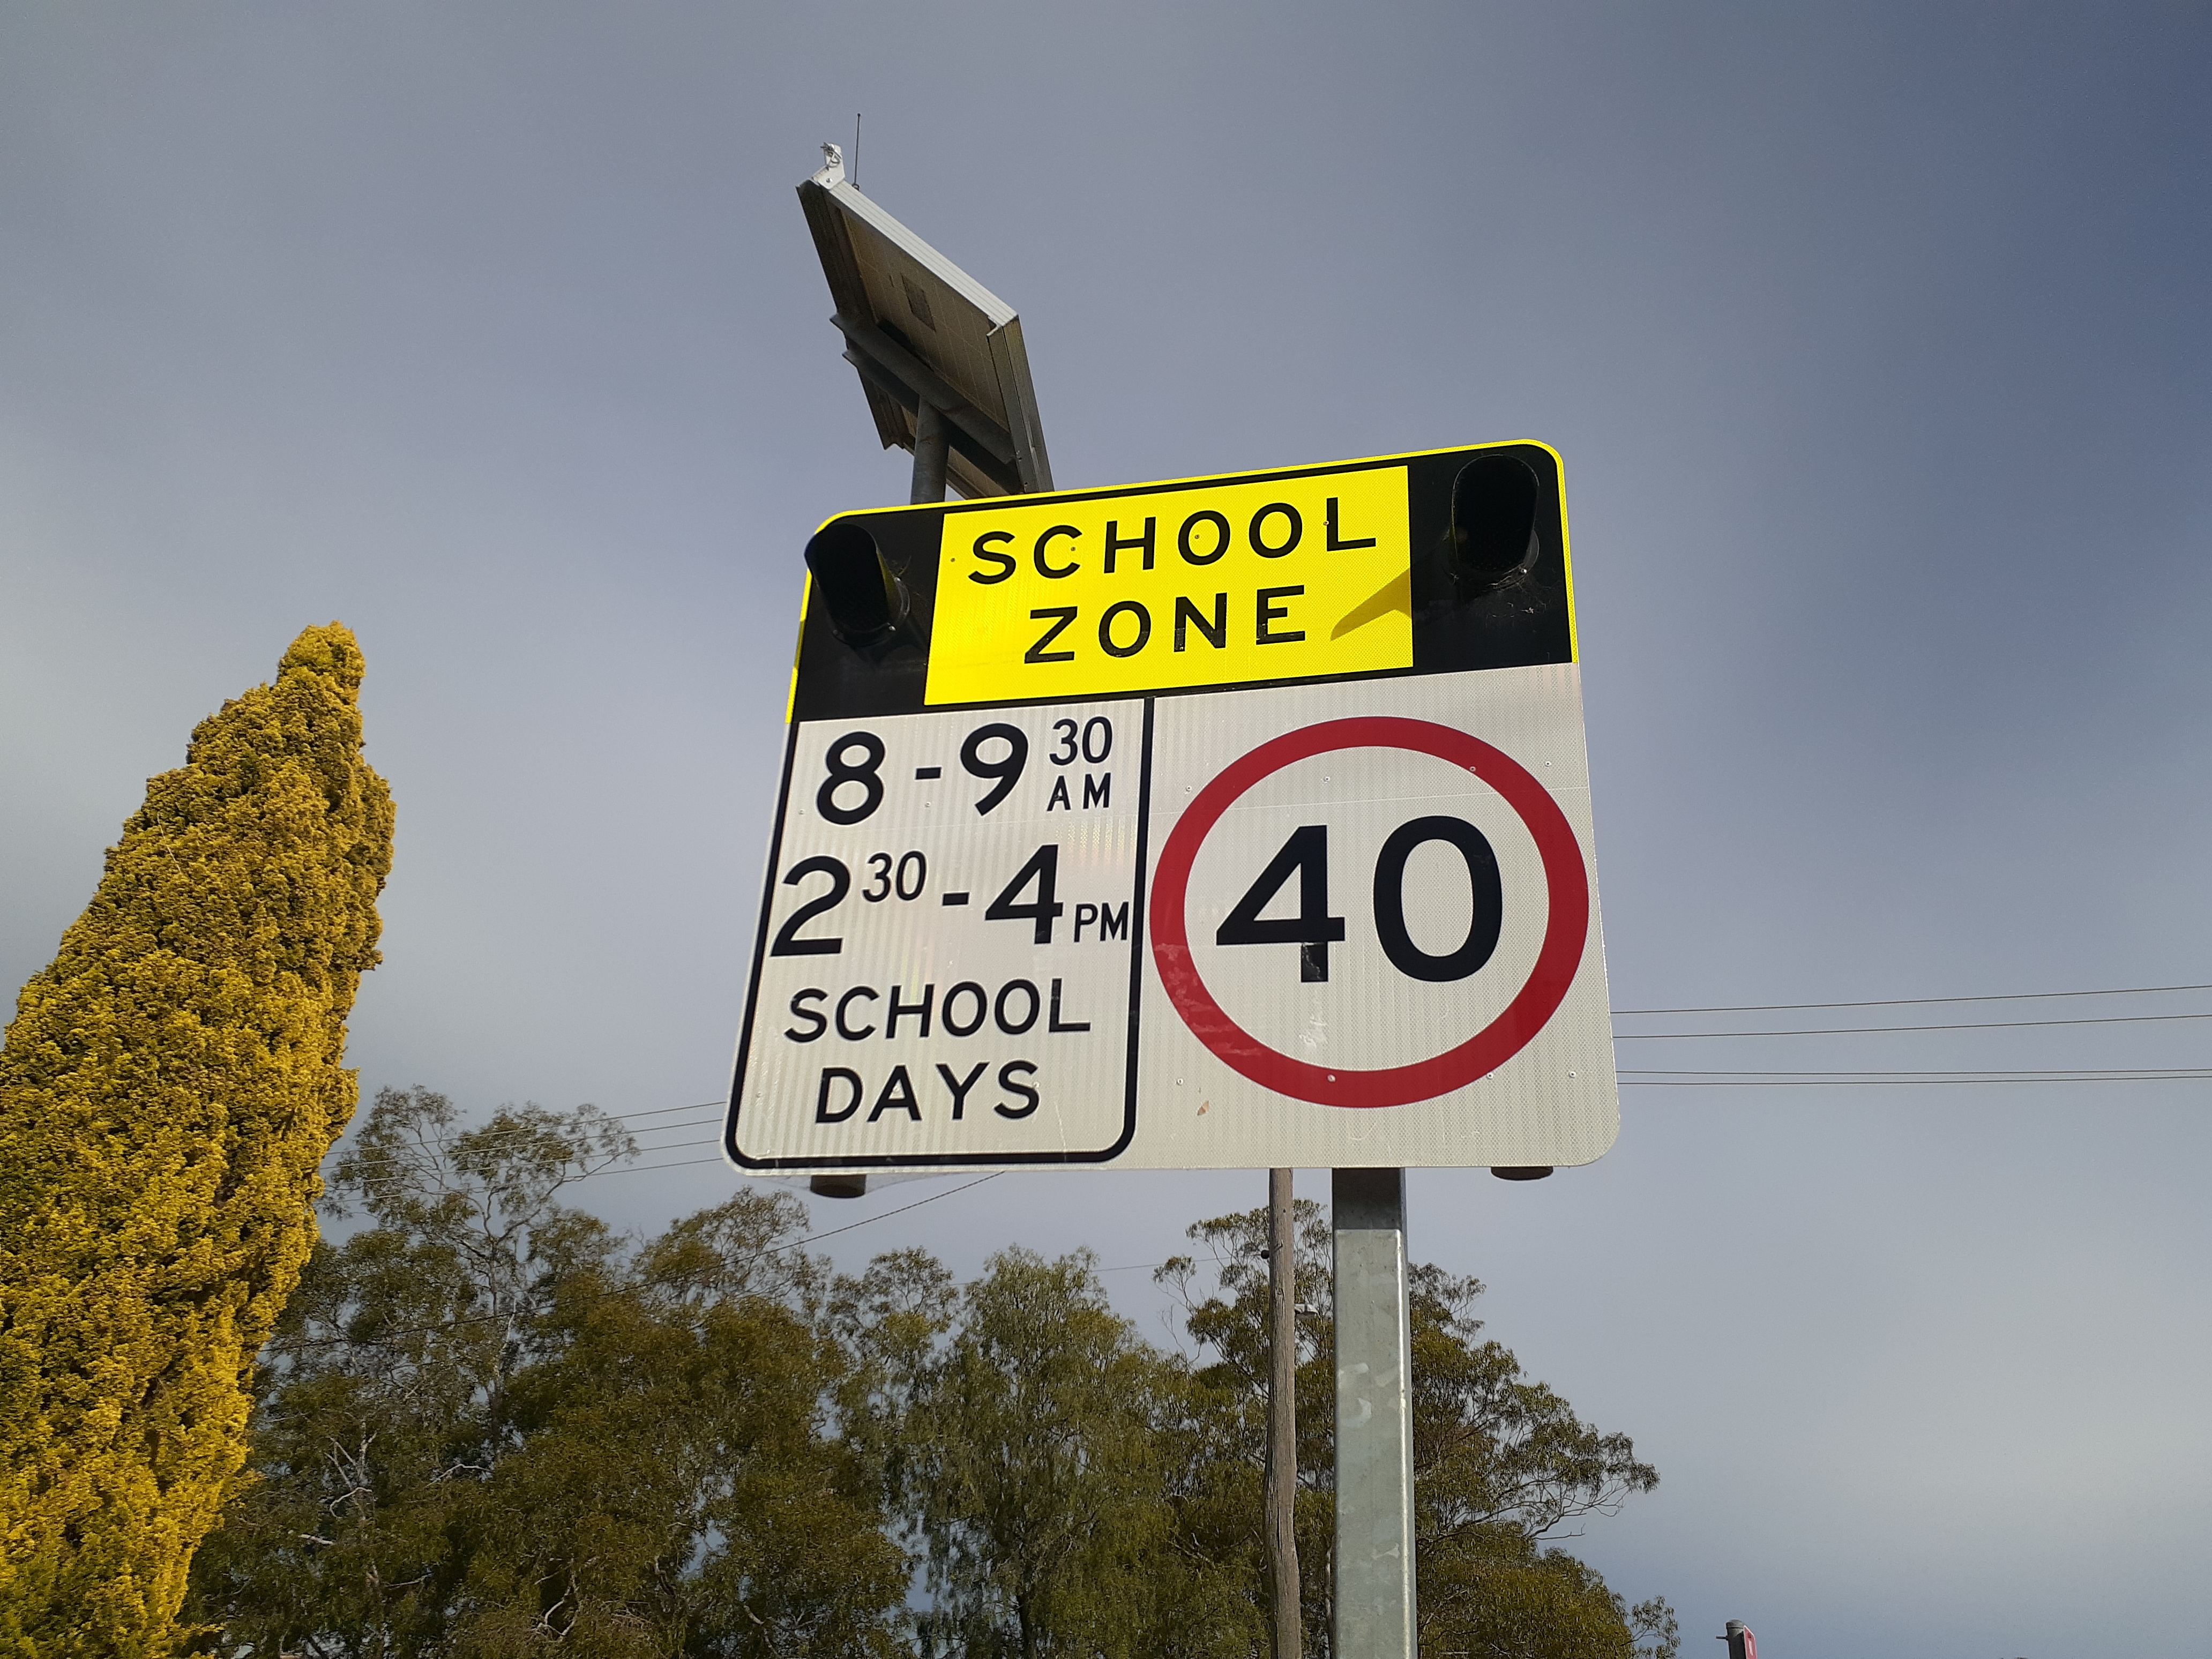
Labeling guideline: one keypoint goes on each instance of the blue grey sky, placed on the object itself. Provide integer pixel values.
(1876, 341)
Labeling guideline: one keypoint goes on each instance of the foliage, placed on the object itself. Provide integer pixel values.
(1500, 1596)
(1042, 1455)
(1500, 1463)
(1230, 1327)
(169, 1086)
(495, 1428)
(492, 1428)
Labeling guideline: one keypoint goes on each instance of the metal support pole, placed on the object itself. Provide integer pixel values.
(929, 439)
(1374, 1564)
(1282, 1413)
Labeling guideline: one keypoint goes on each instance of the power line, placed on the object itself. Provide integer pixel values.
(952, 1192)
(2086, 1074)
(523, 1132)
(613, 1166)
(506, 1137)
(1914, 1002)
(696, 1106)
(1880, 1083)
(758, 1256)
(612, 1117)
(1864, 1030)
(1714, 1008)
(642, 1168)
(365, 1175)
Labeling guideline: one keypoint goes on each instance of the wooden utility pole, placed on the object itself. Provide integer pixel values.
(1282, 1413)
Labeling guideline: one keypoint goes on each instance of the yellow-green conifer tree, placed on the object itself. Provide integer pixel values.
(168, 1088)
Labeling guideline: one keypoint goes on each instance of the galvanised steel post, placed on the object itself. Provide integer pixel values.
(1374, 1559)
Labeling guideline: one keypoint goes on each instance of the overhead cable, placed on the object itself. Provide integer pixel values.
(778, 1250)
(1911, 1002)
(1864, 1030)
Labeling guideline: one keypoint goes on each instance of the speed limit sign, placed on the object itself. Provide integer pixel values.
(1266, 842)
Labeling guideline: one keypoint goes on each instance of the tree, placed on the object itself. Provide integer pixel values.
(1503, 1596)
(168, 1088)
(1041, 1454)
(1230, 1328)
(1500, 1463)
(492, 1427)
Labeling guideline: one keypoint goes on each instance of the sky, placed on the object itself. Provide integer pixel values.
(1877, 342)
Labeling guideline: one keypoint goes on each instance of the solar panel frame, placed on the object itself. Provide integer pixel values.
(965, 339)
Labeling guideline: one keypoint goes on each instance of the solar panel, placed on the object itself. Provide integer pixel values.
(919, 330)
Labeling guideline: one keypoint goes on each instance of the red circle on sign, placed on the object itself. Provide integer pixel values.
(1565, 882)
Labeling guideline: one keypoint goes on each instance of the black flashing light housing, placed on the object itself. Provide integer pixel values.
(868, 607)
(1493, 524)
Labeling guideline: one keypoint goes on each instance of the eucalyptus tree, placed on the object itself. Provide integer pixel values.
(1045, 1460)
(1502, 1466)
(490, 1426)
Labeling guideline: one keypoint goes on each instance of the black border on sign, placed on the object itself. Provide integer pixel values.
(759, 954)
(1138, 916)
(1491, 631)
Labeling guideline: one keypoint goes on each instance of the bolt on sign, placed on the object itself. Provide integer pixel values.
(1225, 823)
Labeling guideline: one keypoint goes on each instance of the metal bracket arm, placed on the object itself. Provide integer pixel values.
(871, 342)
(1001, 473)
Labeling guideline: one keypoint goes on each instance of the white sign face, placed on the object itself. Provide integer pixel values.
(1350, 920)
(1373, 928)
(952, 941)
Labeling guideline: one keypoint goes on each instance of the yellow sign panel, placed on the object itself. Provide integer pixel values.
(1204, 584)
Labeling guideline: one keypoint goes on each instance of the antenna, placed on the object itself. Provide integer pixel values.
(856, 150)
